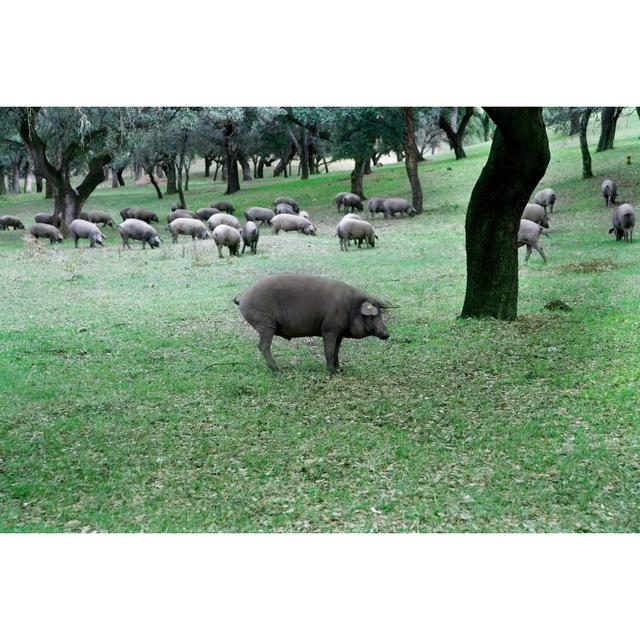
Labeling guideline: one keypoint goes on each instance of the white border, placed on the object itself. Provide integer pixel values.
(328, 53)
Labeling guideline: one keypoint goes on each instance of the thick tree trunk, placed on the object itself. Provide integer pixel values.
(67, 207)
(584, 145)
(48, 190)
(119, 176)
(367, 167)
(357, 178)
(260, 168)
(215, 175)
(114, 179)
(610, 117)
(208, 161)
(169, 168)
(517, 161)
(138, 171)
(153, 181)
(38, 184)
(411, 159)
(3, 187)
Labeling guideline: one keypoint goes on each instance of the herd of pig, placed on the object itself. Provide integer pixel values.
(216, 221)
(536, 217)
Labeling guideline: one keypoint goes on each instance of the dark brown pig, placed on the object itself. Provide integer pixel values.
(352, 201)
(41, 230)
(10, 221)
(44, 218)
(259, 214)
(205, 213)
(139, 213)
(223, 205)
(295, 306)
(290, 201)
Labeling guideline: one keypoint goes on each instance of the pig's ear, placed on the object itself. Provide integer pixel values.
(367, 309)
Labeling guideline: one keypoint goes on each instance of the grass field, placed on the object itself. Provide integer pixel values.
(134, 397)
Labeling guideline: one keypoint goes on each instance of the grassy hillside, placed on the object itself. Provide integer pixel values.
(134, 397)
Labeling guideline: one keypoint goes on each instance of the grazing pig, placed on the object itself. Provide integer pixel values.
(42, 230)
(180, 213)
(138, 230)
(250, 235)
(295, 306)
(44, 218)
(353, 229)
(391, 206)
(283, 208)
(175, 206)
(100, 217)
(623, 222)
(222, 205)
(352, 201)
(609, 192)
(376, 205)
(529, 236)
(226, 236)
(339, 198)
(188, 227)
(292, 222)
(536, 213)
(545, 198)
(290, 201)
(259, 214)
(205, 213)
(10, 221)
(139, 213)
(304, 214)
(87, 230)
(223, 218)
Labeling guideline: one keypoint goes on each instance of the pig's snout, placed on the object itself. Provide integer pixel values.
(382, 333)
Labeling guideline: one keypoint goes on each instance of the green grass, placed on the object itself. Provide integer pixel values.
(134, 397)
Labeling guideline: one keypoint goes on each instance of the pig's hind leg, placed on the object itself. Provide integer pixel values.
(266, 336)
